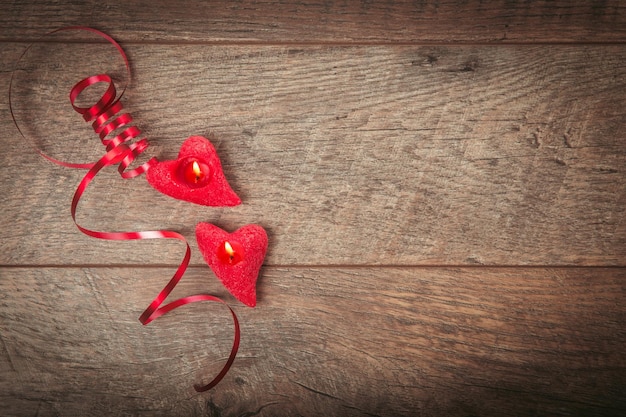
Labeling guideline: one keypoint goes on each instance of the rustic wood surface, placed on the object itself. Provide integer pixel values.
(443, 185)
(351, 155)
(366, 21)
(323, 341)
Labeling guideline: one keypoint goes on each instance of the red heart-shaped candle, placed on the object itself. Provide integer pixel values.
(235, 258)
(196, 176)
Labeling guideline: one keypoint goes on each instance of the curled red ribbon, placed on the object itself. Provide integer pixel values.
(107, 116)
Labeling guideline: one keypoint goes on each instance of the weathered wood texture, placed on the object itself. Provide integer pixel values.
(348, 155)
(329, 341)
(443, 184)
(378, 21)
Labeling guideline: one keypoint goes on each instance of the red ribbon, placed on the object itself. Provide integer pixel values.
(107, 116)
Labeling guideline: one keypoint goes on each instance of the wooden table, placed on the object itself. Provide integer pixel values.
(443, 185)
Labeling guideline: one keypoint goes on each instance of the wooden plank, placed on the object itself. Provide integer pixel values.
(329, 21)
(322, 341)
(347, 155)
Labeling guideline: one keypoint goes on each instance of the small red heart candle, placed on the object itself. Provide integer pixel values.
(235, 258)
(196, 176)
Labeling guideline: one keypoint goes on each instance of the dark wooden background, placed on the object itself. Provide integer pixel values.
(443, 184)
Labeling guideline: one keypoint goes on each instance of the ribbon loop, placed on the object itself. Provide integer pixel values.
(107, 99)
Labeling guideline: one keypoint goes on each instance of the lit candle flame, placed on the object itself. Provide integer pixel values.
(196, 170)
(229, 250)
(230, 253)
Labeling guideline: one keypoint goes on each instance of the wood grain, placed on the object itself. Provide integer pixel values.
(443, 184)
(323, 341)
(394, 155)
(325, 22)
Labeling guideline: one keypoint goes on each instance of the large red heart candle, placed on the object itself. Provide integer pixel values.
(196, 176)
(235, 258)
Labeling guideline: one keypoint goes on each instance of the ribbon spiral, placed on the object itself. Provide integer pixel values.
(108, 116)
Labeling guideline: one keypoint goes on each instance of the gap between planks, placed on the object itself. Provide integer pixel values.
(313, 43)
(321, 266)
